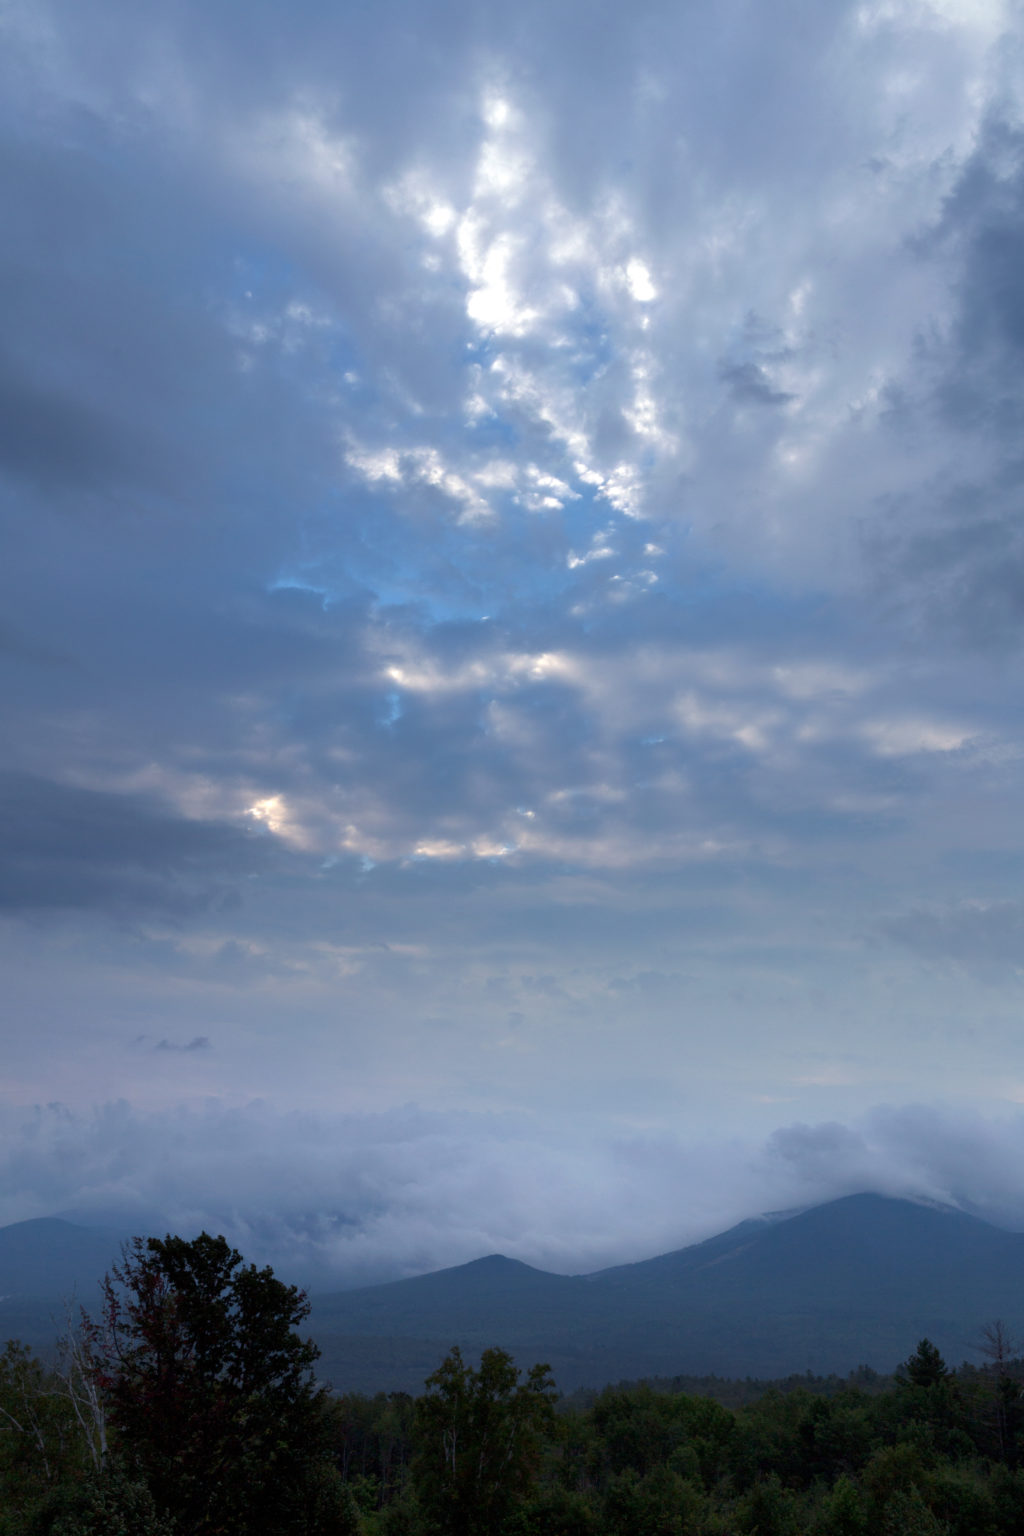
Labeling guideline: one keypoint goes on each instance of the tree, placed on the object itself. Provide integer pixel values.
(78, 1374)
(480, 1441)
(105, 1502)
(1002, 1351)
(40, 1443)
(843, 1511)
(925, 1367)
(209, 1390)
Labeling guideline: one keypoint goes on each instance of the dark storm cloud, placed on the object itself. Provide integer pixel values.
(87, 356)
(54, 440)
(957, 549)
(984, 220)
(66, 847)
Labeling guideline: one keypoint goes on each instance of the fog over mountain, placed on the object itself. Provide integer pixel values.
(347, 1200)
(510, 618)
(856, 1281)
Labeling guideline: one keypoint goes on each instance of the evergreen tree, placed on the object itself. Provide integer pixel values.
(925, 1367)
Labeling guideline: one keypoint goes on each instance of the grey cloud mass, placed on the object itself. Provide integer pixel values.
(63, 846)
(511, 604)
(407, 1190)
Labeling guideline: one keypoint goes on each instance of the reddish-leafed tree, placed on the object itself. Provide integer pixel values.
(209, 1390)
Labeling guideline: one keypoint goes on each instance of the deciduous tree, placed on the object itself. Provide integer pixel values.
(209, 1389)
(480, 1441)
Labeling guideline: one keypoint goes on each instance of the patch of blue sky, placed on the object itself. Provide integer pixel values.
(389, 708)
(459, 599)
(453, 573)
(267, 273)
(482, 349)
(587, 512)
(491, 430)
(345, 361)
(266, 280)
(472, 574)
(488, 589)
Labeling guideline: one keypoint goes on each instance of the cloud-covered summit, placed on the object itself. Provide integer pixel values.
(409, 1190)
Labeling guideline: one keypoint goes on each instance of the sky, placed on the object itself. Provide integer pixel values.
(511, 618)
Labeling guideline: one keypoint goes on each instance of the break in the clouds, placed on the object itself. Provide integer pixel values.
(513, 574)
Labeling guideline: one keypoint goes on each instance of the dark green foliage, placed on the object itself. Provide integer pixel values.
(480, 1440)
(41, 1448)
(639, 1429)
(926, 1367)
(806, 1439)
(963, 1505)
(400, 1518)
(661, 1503)
(1006, 1490)
(208, 1388)
(107, 1503)
(324, 1504)
(218, 1429)
(557, 1512)
(907, 1514)
(769, 1509)
(372, 1439)
(842, 1512)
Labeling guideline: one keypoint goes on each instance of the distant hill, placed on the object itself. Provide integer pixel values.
(855, 1282)
(45, 1265)
(49, 1258)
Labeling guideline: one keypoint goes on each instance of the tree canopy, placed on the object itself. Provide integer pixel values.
(480, 1440)
(217, 1427)
(207, 1384)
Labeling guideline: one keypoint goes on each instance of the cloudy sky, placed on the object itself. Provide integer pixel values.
(511, 617)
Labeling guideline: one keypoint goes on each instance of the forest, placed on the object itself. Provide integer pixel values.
(190, 1406)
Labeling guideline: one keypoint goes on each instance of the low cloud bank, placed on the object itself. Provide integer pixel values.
(356, 1198)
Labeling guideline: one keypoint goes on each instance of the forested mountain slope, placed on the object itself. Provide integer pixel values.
(856, 1281)
(859, 1280)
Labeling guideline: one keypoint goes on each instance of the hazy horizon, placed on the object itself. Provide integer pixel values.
(303, 1255)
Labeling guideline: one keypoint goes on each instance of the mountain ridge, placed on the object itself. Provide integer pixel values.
(858, 1280)
(854, 1281)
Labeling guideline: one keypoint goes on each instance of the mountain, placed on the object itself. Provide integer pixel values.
(46, 1267)
(857, 1281)
(47, 1259)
